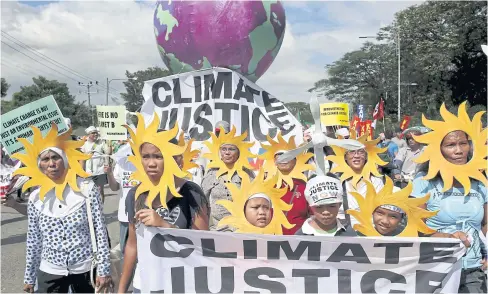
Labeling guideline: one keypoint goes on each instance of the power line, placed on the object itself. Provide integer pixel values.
(38, 61)
(50, 60)
(58, 64)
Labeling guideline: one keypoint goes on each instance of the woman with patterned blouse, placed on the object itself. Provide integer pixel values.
(59, 248)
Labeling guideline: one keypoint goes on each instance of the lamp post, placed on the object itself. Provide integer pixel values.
(399, 71)
(108, 83)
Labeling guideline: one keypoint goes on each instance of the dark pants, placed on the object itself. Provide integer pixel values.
(48, 283)
(472, 281)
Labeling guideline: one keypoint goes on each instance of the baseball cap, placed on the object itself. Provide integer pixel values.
(322, 190)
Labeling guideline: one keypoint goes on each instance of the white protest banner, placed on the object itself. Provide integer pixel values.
(111, 120)
(40, 113)
(190, 261)
(198, 100)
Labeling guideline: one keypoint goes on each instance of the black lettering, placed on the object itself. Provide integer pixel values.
(281, 124)
(313, 249)
(155, 94)
(173, 118)
(208, 250)
(178, 279)
(248, 92)
(224, 79)
(369, 279)
(164, 119)
(177, 93)
(358, 253)
(311, 278)
(250, 249)
(226, 109)
(158, 248)
(197, 82)
(429, 254)
(392, 251)
(256, 126)
(344, 281)
(424, 279)
(251, 277)
(209, 81)
(201, 110)
(268, 100)
(245, 121)
(226, 280)
(186, 119)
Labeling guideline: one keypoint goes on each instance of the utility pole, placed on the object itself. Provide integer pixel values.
(88, 86)
(399, 73)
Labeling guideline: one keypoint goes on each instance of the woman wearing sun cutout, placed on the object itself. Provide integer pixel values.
(59, 248)
(164, 198)
(453, 159)
(229, 163)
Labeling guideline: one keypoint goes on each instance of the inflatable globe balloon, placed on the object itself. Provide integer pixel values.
(244, 36)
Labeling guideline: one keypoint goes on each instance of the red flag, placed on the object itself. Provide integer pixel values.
(405, 122)
(379, 112)
(368, 129)
(355, 123)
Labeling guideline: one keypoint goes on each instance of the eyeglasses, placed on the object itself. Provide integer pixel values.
(360, 152)
(230, 149)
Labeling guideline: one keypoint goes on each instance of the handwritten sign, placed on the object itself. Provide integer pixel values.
(334, 114)
(110, 121)
(39, 113)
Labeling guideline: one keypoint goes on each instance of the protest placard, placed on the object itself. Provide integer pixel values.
(111, 121)
(334, 114)
(198, 100)
(189, 261)
(40, 113)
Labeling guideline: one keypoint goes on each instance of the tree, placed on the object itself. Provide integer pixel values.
(79, 113)
(301, 111)
(4, 87)
(440, 52)
(133, 98)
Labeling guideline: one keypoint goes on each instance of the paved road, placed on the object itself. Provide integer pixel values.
(14, 228)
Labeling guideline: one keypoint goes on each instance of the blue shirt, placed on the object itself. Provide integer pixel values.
(392, 148)
(456, 212)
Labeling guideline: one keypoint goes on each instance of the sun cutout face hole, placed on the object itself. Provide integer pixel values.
(258, 211)
(457, 148)
(356, 159)
(389, 220)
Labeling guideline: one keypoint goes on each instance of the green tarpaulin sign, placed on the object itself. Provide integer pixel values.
(40, 113)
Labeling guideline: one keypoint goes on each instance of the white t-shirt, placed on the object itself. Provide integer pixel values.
(95, 166)
(309, 230)
(361, 189)
(123, 178)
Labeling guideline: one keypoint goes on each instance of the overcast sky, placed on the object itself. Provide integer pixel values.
(103, 39)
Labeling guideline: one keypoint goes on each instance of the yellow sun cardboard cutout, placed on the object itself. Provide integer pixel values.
(37, 177)
(188, 155)
(171, 169)
(269, 165)
(400, 199)
(438, 164)
(237, 218)
(370, 167)
(214, 155)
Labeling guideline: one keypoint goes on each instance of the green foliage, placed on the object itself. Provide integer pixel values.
(440, 52)
(133, 98)
(301, 111)
(42, 87)
(4, 87)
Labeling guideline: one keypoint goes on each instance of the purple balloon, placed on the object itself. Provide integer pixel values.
(244, 36)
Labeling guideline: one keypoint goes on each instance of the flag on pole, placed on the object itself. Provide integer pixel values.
(405, 122)
(355, 123)
(379, 112)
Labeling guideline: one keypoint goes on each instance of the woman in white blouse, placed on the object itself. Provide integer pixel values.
(59, 247)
